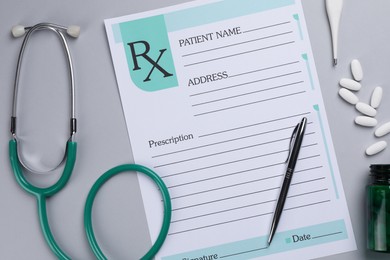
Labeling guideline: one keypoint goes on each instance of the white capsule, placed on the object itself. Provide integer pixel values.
(376, 97)
(366, 121)
(383, 130)
(348, 96)
(376, 148)
(357, 70)
(350, 84)
(365, 109)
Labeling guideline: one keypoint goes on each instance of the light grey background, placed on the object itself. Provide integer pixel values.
(102, 136)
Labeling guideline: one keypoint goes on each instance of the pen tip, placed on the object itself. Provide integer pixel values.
(334, 62)
(268, 242)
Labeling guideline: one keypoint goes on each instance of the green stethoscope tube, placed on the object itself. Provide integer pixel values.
(42, 194)
(94, 190)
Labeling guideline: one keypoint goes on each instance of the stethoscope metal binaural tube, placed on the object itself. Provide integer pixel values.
(55, 28)
(18, 31)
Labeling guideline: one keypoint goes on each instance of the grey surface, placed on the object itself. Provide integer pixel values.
(102, 137)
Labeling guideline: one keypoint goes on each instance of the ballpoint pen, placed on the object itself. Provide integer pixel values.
(333, 9)
(295, 146)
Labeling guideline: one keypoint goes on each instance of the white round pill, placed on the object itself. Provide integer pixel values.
(366, 121)
(348, 96)
(365, 109)
(357, 71)
(350, 84)
(383, 130)
(376, 97)
(376, 148)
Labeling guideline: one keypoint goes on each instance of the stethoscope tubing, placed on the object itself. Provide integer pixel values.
(71, 150)
(42, 194)
(103, 179)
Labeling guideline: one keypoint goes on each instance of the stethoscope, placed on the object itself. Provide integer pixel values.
(41, 194)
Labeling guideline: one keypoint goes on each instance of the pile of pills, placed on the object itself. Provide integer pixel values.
(368, 111)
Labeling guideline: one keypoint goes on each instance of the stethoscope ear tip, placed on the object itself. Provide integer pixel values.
(18, 31)
(73, 31)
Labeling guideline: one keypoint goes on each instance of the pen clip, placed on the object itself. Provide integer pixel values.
(293, 135)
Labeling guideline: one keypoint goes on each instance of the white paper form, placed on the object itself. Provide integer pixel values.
(211, 92)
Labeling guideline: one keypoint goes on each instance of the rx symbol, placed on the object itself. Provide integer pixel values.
(145, 55)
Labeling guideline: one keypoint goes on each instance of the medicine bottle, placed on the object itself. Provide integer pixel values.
(378, 198)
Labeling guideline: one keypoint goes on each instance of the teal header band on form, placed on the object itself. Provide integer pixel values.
(146, 42)
(219, 11)
(116, 30)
